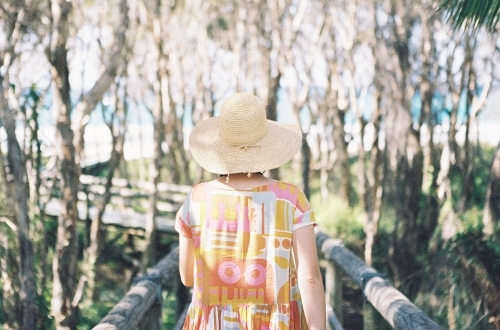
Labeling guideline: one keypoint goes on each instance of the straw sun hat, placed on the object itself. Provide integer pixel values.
(242, 140)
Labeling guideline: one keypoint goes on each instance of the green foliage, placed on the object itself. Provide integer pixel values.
(134, 169)
(338, 220)
(169, 307)
(472, 219)
(478, 248)
(474, 12)
(2, 313)
(51, 232)
(91, 315)
(218, 25)
(138, 206)
(479, 178)
(45, 321)
(481, 174)
(462, 280)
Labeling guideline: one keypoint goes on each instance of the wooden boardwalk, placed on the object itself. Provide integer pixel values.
(121, 211)
(113, 217)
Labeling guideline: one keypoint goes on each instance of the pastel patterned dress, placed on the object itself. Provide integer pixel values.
(244, 272)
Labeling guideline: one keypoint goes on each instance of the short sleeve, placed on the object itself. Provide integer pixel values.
(182, 219)
(304, 215)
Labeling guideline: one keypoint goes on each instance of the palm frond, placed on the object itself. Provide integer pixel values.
(477, 13)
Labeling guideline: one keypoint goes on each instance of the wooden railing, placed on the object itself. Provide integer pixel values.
(392, 305)
(141, 306)
(124, 209)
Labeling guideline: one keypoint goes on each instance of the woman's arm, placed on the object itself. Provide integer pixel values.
(186, 260)
(309, 277)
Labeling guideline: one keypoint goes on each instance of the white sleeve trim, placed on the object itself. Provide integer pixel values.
(300, 225)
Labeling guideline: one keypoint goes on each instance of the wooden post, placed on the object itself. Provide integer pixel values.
(333, 287)
(183, 299)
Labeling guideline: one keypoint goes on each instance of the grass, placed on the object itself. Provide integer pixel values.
(169, 306)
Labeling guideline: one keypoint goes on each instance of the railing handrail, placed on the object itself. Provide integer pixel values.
(146, 292)
(392, 305)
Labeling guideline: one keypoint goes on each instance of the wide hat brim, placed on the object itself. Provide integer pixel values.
(274, 149)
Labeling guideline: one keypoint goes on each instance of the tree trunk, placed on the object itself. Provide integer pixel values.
(278, 33)
(467, 163)
(451, 157)
(36, 210)
(160, 88)
(408, 189)
(89, 101)
(491, 211)
(174, 158)
(19, 195)
(342, 156)
(9, 265)
(64, 309)
(374, 189)
(71, 143)
(15, 179)
(10, 289)
(375, 168)
(17, 170)
(338, 105)
(325, 148)
(271, 109)
(97, 232)
(406, 156)
(306, 166)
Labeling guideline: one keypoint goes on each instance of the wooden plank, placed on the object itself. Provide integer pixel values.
(119, 212)
(112, 217)
(134, 193)
(123, 183)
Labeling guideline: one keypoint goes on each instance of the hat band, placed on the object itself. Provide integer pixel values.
(248, 145)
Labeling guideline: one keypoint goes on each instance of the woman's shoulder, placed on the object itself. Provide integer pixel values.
(198, 191)
(287, 191)
(288, 184)
(284, 185)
